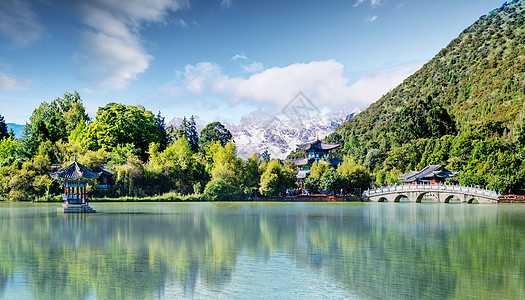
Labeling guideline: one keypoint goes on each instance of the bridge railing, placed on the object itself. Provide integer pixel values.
(432, 187)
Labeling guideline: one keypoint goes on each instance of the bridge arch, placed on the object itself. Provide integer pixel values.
(382, 199)
(473, 201)
(420, 196)
(400, 197)
(452, 199)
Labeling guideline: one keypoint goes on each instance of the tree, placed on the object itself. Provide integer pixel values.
(3, 128)
(28, 144)
(331, 180)
(312, 184)
(215, 132)
(265, 156)
(251, 174)
(55, 120)
(161, 125)
(117, 124)
(7, 151)
(227, 166)
(354, 175)
(276, 179)
(188, 130)
(220, 190)
(373, 158)
(318, 168)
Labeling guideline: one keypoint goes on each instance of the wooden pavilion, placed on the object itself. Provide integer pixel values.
(75, 177)
(313, 151)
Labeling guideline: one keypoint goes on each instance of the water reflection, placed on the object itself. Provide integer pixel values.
(368, 250)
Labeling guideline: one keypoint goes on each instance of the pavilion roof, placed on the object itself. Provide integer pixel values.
(73, 171)
(318, 145)
(427, 172)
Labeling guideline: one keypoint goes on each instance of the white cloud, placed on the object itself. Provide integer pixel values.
(226, 3)
(181, 23)
(10, 83)
(373, 3)
(246, 66)
(253, 67)
(113, 53)
(239, 56)
(324, 82)
(371, 18)
(358, 2)
(19, 23)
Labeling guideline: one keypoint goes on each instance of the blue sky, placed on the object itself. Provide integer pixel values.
(218, 59)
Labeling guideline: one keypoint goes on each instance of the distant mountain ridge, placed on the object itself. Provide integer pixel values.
(17, 129)
(279, 134)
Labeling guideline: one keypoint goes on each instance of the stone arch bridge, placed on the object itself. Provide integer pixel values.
(443, 192)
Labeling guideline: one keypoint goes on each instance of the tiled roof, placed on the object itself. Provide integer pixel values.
(318, 145)
(74, 170)
(427, 172)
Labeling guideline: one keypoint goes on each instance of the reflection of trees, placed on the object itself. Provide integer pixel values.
(375, 251)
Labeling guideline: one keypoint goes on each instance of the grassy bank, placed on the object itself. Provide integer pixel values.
(175, 197)
(169, 197)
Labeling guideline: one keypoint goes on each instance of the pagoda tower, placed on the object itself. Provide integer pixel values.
(313, 151)
(75, 177)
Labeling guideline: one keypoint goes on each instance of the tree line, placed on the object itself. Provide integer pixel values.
(147, 157)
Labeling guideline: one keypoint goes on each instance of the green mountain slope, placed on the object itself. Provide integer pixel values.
(462, 109)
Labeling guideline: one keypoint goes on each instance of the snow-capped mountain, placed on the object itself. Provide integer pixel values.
(280, 134)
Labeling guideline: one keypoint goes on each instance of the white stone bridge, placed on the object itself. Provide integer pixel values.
(444, 193)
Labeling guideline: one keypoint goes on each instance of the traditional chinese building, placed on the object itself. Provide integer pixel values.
(314, 151)
(429, 174)
(74, 178)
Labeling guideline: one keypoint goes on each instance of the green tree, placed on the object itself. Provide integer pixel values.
(3, 128)
(276, 179)
(163, 129)
(215, 132)
(117, 124)
(220, 190)
(188, 130)
(331, 180)
(312, 184)
(7, 151)
(251, 174)
(354, 175)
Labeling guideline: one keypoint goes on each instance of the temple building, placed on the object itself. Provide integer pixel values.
(74, 178)
(314, 151)
(429, 174)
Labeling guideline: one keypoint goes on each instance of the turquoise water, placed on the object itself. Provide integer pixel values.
(263, 251)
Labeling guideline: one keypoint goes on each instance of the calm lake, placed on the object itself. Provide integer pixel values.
(263, 251)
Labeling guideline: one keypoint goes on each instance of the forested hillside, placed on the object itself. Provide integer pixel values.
(463, 109)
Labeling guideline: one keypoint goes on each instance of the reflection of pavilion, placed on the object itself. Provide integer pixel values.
(75, 178)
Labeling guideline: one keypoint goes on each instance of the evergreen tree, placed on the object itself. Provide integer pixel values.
(215, 132)
(192, 135)
(3, 128)
(161, 125)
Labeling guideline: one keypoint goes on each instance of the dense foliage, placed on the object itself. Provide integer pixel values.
(463, 109)
(146, 157)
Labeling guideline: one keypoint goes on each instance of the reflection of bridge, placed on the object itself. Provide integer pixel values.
(444, 193)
